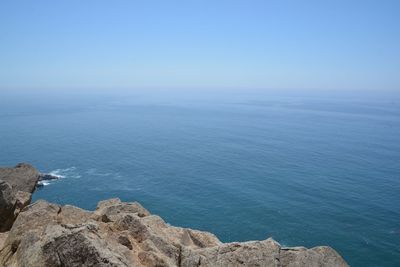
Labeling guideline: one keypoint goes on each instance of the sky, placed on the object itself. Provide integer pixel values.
(331, 44)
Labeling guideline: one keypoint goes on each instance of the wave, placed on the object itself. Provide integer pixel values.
(50, 177)
(72, 173)
(43, 183)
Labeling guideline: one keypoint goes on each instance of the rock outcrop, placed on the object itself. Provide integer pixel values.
(16, 187)
(126, 234)
(44, 178)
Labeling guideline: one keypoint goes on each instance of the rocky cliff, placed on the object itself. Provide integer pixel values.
(126, 234)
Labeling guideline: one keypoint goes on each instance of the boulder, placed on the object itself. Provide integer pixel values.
(126, 234)
(112, 209)
(318, 256)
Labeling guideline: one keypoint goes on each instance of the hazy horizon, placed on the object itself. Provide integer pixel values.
(335, 45)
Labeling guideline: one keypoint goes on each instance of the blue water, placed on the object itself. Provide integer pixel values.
(305, 169)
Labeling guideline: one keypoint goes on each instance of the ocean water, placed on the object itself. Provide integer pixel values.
(306, 169)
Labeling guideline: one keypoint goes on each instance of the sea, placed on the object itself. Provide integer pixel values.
(305, 167)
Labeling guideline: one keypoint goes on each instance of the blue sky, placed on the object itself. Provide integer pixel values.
(330, 44)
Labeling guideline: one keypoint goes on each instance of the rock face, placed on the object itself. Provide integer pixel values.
(23, 177)
(16, 186)
(126, 234)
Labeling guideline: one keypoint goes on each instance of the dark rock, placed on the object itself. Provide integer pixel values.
(7, 206)
(47, 177)
(123, 240)
(44, 178)
(16, 187)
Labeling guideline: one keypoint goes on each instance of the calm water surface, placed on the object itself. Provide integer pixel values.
(306, 170)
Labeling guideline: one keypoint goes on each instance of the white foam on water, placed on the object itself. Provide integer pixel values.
(43, 183)
(61, 174)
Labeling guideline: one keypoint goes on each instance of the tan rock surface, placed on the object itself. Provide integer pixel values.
(3, 237)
